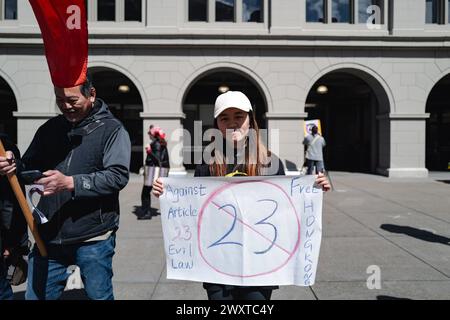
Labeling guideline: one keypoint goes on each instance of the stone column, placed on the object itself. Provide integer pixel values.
(288, 145)
(27, 125)
(407, 145)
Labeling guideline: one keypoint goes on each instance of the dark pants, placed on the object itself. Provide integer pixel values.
(47, 276)
(222, 292)
(313, 163)
(146, 200)
(6, 292)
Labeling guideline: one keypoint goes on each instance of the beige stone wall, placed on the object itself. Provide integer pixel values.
(285, 78)
(165, 55)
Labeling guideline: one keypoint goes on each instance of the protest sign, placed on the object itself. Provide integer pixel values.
(243, 230)
(311, 123)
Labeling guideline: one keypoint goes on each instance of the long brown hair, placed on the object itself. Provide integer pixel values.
(254, 161)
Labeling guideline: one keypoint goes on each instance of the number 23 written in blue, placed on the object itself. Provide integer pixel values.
(264, 221)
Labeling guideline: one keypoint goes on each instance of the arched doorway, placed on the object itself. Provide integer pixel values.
(125, 102)
(438, 127)
(198, 104)
(8, 104)
(349, 103)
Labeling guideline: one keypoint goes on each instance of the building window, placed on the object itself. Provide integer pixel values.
(238, 11)
(252, 10)
(106, 10)
(133, 10)
(115, 10)
(432, 11)
(371, 11)
(345, 11)
(9, 9)
(435, 11)
(341, 11)
(315, 10)
(198, 10)
(225, 10)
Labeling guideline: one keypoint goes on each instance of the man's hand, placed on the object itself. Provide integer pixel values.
(55, 182)
(7, 164)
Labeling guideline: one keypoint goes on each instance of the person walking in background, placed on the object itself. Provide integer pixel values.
(156, 165)
(314, 144)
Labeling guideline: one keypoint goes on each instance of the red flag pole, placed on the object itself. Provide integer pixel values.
(15, 186)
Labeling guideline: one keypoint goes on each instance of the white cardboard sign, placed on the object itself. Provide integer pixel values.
(242, 230)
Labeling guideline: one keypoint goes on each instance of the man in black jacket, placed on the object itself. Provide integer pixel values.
(84, 155)
(13, 228)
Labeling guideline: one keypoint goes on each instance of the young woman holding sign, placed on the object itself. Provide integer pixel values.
(234, 117)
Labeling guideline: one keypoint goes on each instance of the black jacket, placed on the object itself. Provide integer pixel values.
(159, 156)
(96, 153)
(13, 227)
(203, 171)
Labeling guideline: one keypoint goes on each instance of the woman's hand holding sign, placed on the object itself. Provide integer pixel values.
(323, 182)
(158, 188)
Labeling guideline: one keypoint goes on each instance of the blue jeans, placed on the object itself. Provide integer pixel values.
(47, 276)
(6, 292)
(313, 163)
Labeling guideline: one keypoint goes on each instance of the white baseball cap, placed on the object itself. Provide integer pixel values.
(232, 99)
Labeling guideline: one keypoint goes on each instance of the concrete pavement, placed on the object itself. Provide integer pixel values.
(401, 226)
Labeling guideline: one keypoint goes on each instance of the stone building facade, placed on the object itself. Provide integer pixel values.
(381, 68)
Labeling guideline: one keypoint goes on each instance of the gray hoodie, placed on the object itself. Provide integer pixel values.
(96, 153)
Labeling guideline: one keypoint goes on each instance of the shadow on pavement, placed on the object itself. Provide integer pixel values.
(141, 215)
(137, 211)
(416, 233)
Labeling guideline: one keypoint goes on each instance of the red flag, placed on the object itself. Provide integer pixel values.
(64, 29)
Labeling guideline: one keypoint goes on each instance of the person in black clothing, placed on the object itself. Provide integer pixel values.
(13, 227)
(233, 111)
(156, 165)
(84, 155)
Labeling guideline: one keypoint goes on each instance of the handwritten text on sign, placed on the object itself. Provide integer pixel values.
(242, 231)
